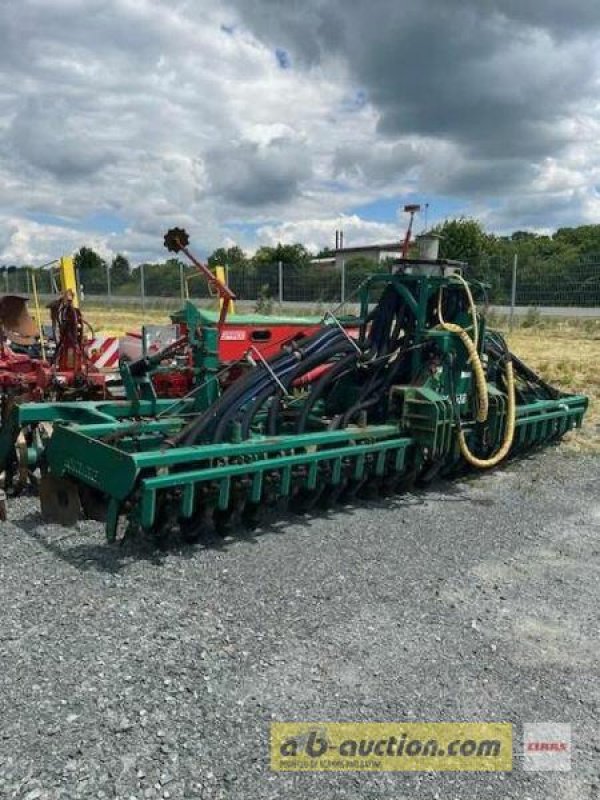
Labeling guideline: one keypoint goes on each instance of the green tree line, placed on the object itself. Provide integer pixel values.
(566, 261)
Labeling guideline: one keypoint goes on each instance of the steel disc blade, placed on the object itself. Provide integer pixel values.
(60, 501)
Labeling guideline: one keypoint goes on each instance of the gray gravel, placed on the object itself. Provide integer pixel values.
(132, 673)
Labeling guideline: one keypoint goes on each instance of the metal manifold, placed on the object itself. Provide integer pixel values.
(412, 387)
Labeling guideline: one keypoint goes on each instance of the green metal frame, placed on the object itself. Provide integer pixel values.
(118, 447)
(78, 452)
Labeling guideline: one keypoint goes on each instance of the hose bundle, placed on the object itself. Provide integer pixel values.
(242, 400)
(375, 366)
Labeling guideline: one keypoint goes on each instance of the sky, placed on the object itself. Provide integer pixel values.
(251, 122)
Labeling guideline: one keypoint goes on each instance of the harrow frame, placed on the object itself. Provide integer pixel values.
(227, 452)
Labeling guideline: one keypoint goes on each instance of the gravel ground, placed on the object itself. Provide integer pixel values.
(132, 673)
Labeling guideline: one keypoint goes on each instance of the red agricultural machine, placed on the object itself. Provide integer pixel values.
(32, 366)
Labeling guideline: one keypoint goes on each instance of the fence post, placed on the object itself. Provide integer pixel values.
(108, 283)
(280, 282)
(513, 291)
(181, 282)
(143, 287)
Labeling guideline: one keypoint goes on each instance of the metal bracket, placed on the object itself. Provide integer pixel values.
(329, 315)
(265, 364)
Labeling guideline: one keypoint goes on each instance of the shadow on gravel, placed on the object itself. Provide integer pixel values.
(88, 550)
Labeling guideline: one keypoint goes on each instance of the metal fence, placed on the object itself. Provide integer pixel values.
(509, 282)
(541, 282)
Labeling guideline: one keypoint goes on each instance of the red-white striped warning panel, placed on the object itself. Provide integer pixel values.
(103, 351)
(148, 341)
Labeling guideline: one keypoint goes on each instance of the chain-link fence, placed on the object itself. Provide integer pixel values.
(541, 282)
(15, 280)
(547, 282)
(551, 285)
(508, 282)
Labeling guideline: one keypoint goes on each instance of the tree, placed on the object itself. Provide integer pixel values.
(87, 260)
(586, 238)
(295, 260)
(119, 270)
(91, 269)
(357, 269)
(292, 255)
(523, 236)
(463, 239)
(231, 257)
(325, 252)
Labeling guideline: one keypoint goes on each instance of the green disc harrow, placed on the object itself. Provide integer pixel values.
(412, 387)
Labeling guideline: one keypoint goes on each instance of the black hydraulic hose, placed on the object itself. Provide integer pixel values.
(395, 368)
(142, 366)
(365, 401)
(247, 395)
(349, 415)
(391, 305)
(300, 358)
(525, 373)
(333, 372)
(380, 381)
(387, 309)
(390, 320)
(198, 426)
(224, 415)
(401, 326)
(266, 381)
(373, 385)
(370, 386)
(194, 429)
(496, 346)
(302, 368)
(337, 371)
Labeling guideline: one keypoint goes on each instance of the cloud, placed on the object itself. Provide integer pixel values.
(152, 112)
(318, 233)
(8, 229)
(250, 174)
(495, 85)
(278, 119)
(24, 241)
(379, 162)
(43, 136)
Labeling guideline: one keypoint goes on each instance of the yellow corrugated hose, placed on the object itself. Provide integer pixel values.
(509, 433)
(481, 391)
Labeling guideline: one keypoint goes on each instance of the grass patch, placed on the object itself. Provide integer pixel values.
(567, 356)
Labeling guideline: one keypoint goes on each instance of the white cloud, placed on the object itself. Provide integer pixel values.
(24, 241)
(120, 118)
(318, 233)
(149, 112)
